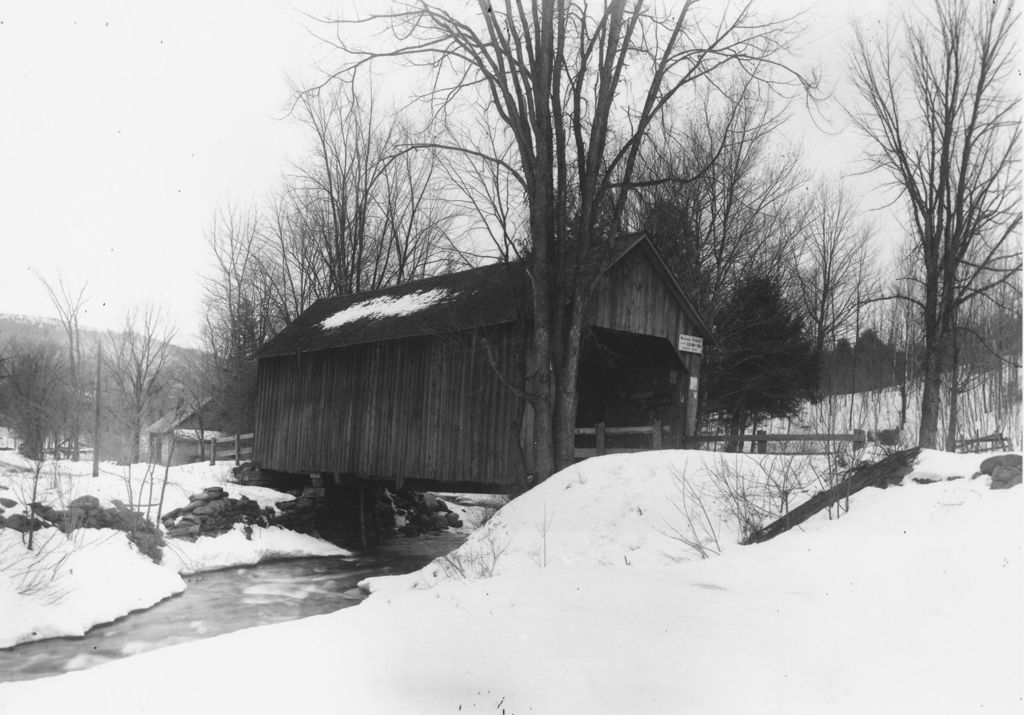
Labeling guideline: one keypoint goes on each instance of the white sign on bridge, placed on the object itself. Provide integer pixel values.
(690, 344)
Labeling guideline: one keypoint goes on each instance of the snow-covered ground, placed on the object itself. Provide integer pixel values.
(63, 481)
(66, 585)
(647, 509)
(908, 603)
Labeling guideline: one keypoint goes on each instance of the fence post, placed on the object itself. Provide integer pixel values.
(762, 444)
(656, 434)
(860, 439)
(213, 451)
(599, 438)
(237, 462)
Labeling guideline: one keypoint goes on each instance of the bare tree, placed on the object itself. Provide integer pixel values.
(577, 90)
(68, 304)
(240, 313)
(834, 265)
(943, 122)
(371, 212)
(136, 362)
(732, 210)
(488, 196)
(986, 337)
(35, 394)
(902, 333)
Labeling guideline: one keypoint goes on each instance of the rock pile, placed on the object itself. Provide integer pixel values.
(212, 512)
(423, 512)
(1005, 470)
(307, 513)
(85, 512)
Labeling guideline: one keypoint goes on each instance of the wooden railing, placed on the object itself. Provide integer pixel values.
(761, 439)
(238, 446)
(983, 444)
(655, 430)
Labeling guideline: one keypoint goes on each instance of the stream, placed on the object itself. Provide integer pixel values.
(228, 600)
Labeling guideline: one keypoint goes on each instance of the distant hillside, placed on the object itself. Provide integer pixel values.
(33, 327)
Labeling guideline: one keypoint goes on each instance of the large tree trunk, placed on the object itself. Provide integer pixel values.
(567, 395)
(934, 345)
(954, 395)
(954, 419)
(928, 433)
(135, 436)
(544, 335)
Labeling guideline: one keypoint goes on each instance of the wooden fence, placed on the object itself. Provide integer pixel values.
(238, 447)
(760, 439)
(984, 444)
(656, 431)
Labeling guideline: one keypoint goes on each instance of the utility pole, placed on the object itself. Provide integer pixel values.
(96, 416)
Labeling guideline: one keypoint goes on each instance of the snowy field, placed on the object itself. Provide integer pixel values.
(586, 595)
(66, 585)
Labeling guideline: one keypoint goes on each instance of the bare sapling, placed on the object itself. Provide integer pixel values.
(781, 479)
(478, 558)
(541, 557)
(739, 497)
(36, 572)
(37, 469)
(696, 529)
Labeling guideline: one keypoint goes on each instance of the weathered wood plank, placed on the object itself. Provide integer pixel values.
(854, 437)
(588, 452)
(647, 429)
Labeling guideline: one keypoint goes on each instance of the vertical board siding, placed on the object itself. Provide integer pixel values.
(634, 298)
(417, 408)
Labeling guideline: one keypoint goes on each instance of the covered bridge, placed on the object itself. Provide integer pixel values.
(412, 385)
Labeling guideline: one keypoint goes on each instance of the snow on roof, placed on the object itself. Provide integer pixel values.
(384, 306)
(192, 433)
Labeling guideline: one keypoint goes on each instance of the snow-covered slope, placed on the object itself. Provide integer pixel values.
(908, 603)
(651, 508)
(68, 585)
(65, 585)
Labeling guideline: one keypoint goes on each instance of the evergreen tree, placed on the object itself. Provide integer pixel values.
(765, 364)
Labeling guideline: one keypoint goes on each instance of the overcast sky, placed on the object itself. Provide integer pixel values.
(125, 125)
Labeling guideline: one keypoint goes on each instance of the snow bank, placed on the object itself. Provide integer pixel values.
(234, 549)
(648, 509)
(909, 603)
(65, 585)
(618, 510)
(935, 466)
(385, 306)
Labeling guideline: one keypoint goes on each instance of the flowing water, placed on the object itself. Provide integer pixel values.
(224, 601)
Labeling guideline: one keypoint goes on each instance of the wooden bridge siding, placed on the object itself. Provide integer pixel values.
(637, 299)
(426, 408)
